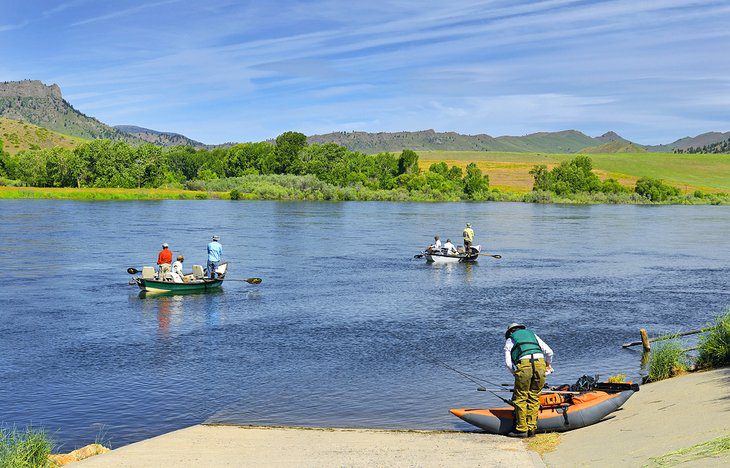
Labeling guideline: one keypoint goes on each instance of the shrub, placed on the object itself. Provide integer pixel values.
(654, 189)
(666, 360)
(21, 449)
(235, 194)
(715, 345)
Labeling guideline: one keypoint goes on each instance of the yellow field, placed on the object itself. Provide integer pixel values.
(510, 171)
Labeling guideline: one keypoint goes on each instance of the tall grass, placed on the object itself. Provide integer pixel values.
(27, 448)
(666, 360)
(715, 344)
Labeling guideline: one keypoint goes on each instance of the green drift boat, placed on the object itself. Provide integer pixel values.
(195, 282)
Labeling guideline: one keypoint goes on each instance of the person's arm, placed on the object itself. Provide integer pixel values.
(508, 355)
(546, 350)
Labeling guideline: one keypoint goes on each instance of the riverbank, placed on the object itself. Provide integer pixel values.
(204, 445)
(281, 193)
(661, 418)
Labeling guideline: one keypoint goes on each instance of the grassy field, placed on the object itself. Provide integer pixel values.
(510, 171)
(19, 136)
(107, 193)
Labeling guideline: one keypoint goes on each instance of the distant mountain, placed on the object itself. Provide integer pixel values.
(18, 136)
(159, 138)
(609, 137)
(615, 146)
(32, 101)
(721, 147)
(686, 143)
(568, 141)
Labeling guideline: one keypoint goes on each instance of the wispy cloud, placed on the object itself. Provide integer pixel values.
(124, 12)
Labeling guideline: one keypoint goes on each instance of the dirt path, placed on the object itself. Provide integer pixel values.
(661, 418)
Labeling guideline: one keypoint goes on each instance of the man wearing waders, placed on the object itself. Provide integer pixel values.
(468, 238)
(528, 358)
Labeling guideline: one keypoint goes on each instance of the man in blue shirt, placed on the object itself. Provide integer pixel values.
(215, 252)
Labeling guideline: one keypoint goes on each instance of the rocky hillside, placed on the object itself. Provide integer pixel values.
(33, 102)
(705, 139)
(159, 138)
(17, 136)
(568, 141)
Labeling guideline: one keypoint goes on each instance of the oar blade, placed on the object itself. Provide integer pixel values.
(132, 271)
(253, 280)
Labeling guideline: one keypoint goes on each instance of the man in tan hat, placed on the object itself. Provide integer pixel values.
(529, 359)
(468, 238)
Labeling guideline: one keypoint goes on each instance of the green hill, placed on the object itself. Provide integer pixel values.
(18, 136)
(568, 141)
(614, 147)
(33, 102)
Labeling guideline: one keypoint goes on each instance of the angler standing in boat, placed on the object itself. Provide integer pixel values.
(468, 238)
(215, 252)
(528, 358)
(164, 259)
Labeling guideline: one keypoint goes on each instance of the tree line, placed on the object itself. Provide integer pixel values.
(107, 163)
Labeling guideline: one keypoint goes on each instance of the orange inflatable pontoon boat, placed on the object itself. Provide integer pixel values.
(559, 411)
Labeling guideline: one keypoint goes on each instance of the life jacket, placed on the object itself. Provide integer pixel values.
(468, 234)
(525, 343)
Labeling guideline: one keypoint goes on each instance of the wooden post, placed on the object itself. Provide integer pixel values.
(645, 339)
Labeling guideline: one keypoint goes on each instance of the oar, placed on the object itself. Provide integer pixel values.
(133, 271)
(491, 255)
(247, 280)
(418, 256)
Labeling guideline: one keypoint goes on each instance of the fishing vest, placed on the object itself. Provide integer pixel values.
(469, 234)
(525, 343)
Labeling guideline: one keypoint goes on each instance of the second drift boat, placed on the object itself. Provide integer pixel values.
(559, 411)
(441, 256)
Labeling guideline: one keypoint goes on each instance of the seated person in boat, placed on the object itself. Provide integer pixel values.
(450, 248)
(177, 270)
(436, 246)
(164, 259)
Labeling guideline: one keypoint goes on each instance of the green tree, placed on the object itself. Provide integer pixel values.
(476, 186)
(286, 152)
(408, 162)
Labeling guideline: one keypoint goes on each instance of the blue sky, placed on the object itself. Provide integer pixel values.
(222, 70)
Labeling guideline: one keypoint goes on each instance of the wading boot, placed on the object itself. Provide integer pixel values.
(531, 432)
(518, 434)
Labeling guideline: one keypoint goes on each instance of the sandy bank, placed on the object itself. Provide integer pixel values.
(661, 418)
(257, 446)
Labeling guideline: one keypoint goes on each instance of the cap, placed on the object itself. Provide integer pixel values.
(164, 244)
(511, 327)
(216, 237)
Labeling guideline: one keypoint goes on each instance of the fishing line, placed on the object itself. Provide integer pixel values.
(477, 380)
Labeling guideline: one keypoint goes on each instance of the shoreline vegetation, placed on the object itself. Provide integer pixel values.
(291, 169)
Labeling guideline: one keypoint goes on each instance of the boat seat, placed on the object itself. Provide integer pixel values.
(148, 273)
(198, 271)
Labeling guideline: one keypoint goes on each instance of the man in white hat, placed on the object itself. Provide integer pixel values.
(215, 253)
(164, 259)
(528, 358)
(468, 238)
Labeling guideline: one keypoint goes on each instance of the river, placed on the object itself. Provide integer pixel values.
(347, 328)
